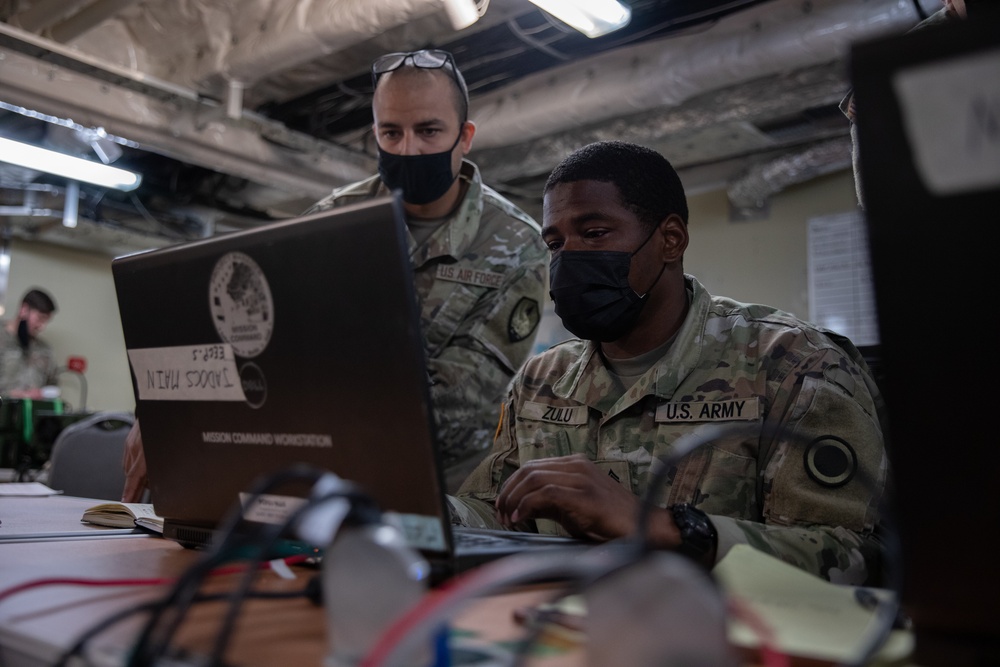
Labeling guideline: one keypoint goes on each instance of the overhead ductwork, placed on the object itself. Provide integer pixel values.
(758, 42)
(206, 45)
(752, 188)
(179, 80)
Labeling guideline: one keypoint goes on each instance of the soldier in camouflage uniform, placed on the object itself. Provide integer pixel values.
(584, 421)
(26, 362)
(952, 10)
(479, 262)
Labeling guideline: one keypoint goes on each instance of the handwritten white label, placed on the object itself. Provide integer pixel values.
(951, 112)
(187, 373)
(270, 508)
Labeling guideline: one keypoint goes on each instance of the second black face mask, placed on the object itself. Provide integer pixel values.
(422, 178)
(592, 294)
(23, 337)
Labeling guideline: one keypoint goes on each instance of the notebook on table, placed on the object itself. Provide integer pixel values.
(294, 342)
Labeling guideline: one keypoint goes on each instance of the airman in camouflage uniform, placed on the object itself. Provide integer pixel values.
(802, 481)
(479, 262)
(953, 10)
(23, 369)
(481, 282)
(26, 362)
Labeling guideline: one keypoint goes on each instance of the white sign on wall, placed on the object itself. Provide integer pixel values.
(841, 293)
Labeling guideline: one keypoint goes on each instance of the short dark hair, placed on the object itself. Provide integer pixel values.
(39, 300)
(646, 181)
(460, 92)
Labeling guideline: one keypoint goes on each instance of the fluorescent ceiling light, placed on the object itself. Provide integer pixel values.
(461, 13)
(67, 166)
(591, 17)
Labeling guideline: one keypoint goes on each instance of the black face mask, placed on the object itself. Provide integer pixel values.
(23, 337)
(422, 178)
(591, 292)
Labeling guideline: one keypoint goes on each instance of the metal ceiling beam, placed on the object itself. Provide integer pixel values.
(678, 131)
(168, 120)
(766, 40)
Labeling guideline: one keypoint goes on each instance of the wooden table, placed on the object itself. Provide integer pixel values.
(37, 625)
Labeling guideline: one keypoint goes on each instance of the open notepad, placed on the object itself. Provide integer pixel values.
(124, 515)
(812, 620)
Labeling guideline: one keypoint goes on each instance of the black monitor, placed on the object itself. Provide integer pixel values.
(928, 106)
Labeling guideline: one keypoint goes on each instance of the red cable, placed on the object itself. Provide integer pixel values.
(159, 581)
(769, 652)
(402, 625)
(768, 649)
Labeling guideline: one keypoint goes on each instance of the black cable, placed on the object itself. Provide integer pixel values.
(264, 546)
(920, 10)
(100, 627)
(576, 586)
(117, 617)
(180, 597)
(683, 446)
(259, 541)
(885, 613)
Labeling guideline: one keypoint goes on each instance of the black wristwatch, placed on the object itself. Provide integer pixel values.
(698, 536)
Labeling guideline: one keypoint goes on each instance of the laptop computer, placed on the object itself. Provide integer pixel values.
(928, 119)
(295, 342)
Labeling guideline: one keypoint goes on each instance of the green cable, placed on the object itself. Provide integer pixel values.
(26, 416)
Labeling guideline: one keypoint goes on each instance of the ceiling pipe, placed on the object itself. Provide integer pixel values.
(757, 42)
(169, 119)
(87, 19)
(754, 186)
(293, 34)
(45, 13)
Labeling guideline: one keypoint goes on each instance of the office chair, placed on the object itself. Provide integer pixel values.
(86, 457)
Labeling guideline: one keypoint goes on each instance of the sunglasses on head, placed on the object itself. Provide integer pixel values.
(425, 59)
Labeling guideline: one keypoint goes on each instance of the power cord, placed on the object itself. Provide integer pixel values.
(363, 511)
(885, 614)
(148, 607)
(236, 536)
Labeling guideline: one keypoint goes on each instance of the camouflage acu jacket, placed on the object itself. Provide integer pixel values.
(481, 279)
(25, 369)
(802, 482)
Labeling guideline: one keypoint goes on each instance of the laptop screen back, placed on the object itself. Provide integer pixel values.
(297, 341)
(929, 128)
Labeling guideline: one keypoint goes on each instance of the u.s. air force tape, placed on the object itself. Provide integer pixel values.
(830, 461)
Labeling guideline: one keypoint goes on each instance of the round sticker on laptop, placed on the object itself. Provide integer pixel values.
(241, 304)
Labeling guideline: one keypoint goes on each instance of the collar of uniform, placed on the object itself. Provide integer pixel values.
(684, 355)
(587, 380)
(453, 237)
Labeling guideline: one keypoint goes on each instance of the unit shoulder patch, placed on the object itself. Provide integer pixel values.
(524, 319)
(830, 461)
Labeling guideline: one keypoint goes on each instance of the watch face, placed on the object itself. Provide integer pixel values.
(698, 536)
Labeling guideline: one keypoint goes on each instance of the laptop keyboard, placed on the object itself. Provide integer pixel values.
(479, 537)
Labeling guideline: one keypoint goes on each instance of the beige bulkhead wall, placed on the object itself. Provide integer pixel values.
(761, 261)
